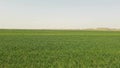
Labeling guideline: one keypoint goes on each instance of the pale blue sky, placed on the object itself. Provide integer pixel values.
(59, 14)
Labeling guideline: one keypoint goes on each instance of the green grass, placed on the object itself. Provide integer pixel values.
(59, 49)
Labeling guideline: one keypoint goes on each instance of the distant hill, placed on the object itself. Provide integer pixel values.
(103, 29)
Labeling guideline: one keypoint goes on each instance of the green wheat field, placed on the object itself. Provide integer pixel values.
(59, 49)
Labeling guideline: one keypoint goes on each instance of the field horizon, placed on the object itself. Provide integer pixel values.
(98, 28)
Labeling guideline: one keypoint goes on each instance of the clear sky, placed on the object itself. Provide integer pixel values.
(59, 14)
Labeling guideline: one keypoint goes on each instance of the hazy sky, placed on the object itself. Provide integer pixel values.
(58, 14)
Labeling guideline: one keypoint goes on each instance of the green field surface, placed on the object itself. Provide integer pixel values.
(59, 49)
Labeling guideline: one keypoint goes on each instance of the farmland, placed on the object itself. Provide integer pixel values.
(59, 49)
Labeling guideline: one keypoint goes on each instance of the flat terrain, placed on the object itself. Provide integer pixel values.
(59, 49)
